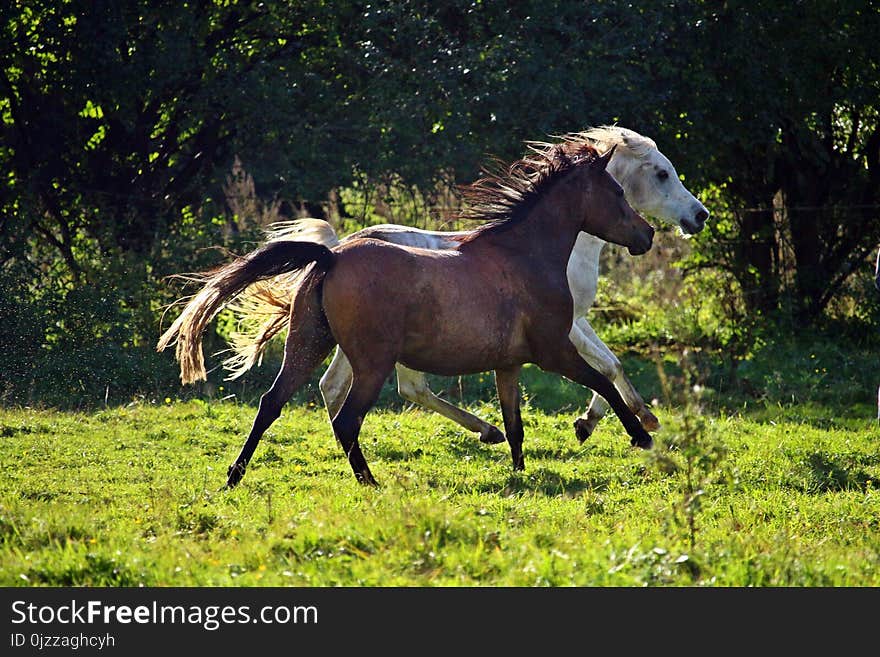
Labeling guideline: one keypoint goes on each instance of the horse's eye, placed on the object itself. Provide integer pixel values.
(663, 174)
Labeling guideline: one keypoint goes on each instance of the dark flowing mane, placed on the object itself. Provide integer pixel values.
(506, 193)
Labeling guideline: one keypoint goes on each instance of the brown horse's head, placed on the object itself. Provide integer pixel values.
(607, 214)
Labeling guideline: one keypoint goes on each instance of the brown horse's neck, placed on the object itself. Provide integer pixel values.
(546, 235)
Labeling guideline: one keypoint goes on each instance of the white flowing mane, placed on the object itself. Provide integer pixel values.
(606, 136)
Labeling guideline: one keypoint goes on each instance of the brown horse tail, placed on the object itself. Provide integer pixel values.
(224, 283)
(262, 310)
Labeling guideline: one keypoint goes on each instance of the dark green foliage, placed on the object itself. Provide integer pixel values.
(794, 147)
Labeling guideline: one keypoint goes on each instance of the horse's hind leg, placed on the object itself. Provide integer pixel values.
(308, 342)
(413, 386)
(295, 372)
(364, 391)
(335, 383)
(507, 384)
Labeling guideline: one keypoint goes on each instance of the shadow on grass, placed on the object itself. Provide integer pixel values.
(545, 482)
(819, 473)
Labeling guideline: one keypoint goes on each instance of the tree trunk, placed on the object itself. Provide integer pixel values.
(755, 260)
(811, 279)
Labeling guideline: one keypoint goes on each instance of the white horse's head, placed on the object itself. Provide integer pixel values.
(649, 180)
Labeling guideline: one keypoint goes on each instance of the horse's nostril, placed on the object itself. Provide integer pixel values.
(701, 216)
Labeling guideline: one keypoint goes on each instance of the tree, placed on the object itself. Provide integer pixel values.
(785, 112)
(121, 118)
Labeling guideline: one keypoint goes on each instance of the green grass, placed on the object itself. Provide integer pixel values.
(133, 495)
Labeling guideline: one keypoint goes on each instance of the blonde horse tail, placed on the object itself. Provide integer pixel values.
(303, 230)
(222, 284)
(262, 310)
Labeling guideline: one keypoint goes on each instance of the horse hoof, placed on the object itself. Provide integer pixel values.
(583, 428)
(492, 436)
(366, 479)
(645, 442)
(649, 421)
(234, 475)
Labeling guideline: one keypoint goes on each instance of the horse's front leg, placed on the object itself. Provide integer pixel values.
(568, 362)
(599, 356)
(413, 385)
(507, 384)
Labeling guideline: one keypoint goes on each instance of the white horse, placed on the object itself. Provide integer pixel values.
(651, 186)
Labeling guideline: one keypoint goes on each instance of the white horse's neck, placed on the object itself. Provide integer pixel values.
(583, 271)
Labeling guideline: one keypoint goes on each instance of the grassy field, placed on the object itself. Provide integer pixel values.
(786, 496)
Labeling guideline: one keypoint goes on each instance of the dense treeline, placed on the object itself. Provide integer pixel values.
(122, 121)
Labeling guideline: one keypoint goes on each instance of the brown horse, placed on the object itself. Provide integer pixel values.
(497, 301)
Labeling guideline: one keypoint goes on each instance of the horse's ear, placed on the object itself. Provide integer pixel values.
(602, 162)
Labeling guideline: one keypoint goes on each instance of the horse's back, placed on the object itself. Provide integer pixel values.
(408, 236)
(373, 272)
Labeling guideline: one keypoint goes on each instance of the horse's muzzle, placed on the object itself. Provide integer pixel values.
(693, 225)
(643, 244)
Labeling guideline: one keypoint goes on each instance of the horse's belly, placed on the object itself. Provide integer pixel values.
(454, 364)
(465, 347)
